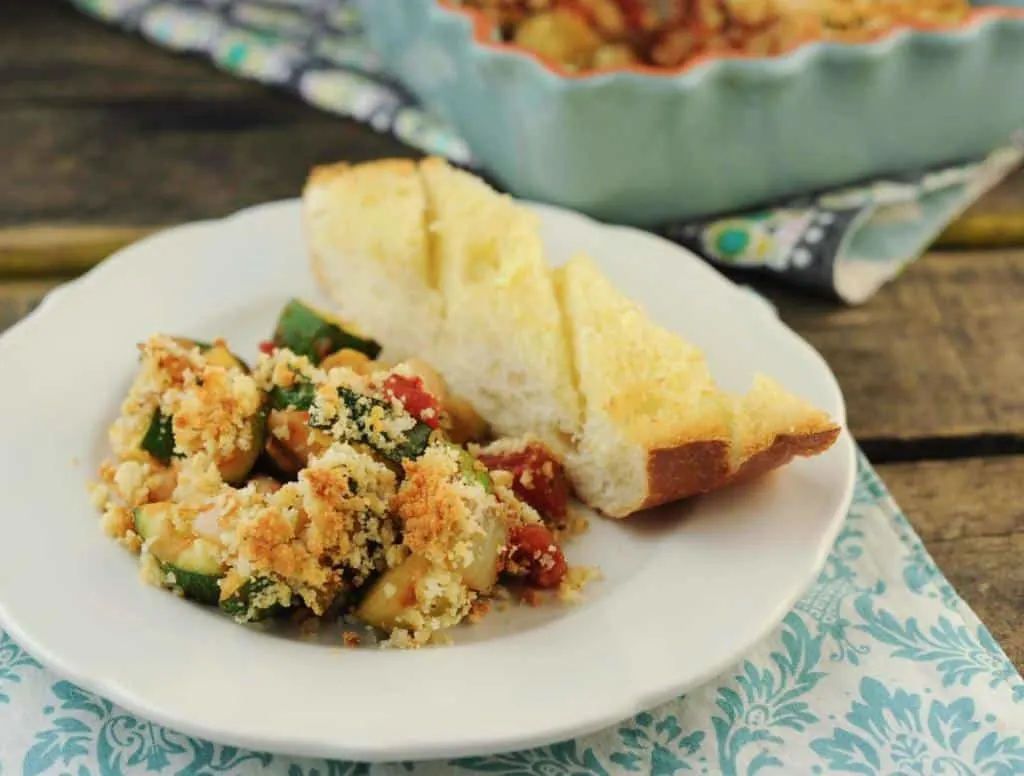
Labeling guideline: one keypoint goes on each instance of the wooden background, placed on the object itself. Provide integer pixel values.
(106, 138)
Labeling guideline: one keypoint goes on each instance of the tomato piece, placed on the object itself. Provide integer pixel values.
(634, 12)
(417, 401)
(533, 547)
(538, 478)
(267, 346)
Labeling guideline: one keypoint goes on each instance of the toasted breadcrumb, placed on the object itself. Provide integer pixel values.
(570, 591)
(315, 544)
(351, 639)
(575, 524)
(149, 570)
(533, 597)
(480, 609)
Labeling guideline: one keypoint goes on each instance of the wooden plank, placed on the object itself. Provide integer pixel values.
(970, 516)
(163, 162)
(996, 220)
(110, 130)
(935, 356)
(38, 250)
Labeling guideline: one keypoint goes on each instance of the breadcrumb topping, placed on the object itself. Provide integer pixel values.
(412, 539)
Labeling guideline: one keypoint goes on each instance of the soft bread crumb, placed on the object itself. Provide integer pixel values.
(508, 359)
(366, 227)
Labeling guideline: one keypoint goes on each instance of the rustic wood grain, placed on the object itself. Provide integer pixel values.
(996, 220)
(111, 130)
(39, 250)
(970, 515)
(933, 358)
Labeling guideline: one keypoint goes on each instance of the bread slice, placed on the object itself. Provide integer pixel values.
(501, 343)
(432, 262)
(370, 250)
(772, 426)
(655, 426)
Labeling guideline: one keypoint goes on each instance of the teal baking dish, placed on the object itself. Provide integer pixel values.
(645, 148)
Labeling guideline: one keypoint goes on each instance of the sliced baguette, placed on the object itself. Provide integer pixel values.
(655, 427)
(370, 250)
(432, 262)
(771, 427)
(501, 344)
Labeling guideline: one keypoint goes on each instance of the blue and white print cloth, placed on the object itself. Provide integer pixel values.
(880, 670)
(846, 243)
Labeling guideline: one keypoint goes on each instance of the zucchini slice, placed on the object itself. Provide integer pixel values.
(236, 467)
(301, 396)
(316, 334)
(189, 562)
(482, 572)
(298, 397)
(158, 440)
(395, 448)
(291, 454)
(393, 594)
(473, 471)
(217, 355)
(257, 599)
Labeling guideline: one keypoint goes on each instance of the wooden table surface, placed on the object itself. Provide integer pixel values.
(106, 138)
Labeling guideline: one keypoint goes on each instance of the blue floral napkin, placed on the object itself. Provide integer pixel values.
(881, 669)
(847, 243)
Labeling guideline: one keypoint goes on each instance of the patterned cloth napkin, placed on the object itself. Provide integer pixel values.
(880, 669)
(846, 243)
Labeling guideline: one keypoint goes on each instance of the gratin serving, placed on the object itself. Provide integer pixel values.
(326, 482)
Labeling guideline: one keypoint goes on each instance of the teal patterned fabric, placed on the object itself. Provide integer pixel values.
(846, 243)
(880, 670)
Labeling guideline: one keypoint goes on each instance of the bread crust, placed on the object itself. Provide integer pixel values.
(714, 453)
(677, 472)
(699, 467)
(785, 448)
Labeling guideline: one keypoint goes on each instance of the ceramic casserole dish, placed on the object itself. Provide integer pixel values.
(643, 147)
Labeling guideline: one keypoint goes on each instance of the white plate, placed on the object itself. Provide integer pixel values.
(688, 588)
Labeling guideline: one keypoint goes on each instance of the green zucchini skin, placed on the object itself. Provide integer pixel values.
(471, 472)
(244, 605)
(185, 563)
(158, 440)
(235, 469)
(412, 444)
(299, 397)
(315, 334)
(201, 588)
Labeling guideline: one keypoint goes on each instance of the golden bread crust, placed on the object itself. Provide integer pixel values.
(700, 467)
(677, 472)
(785, 448)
